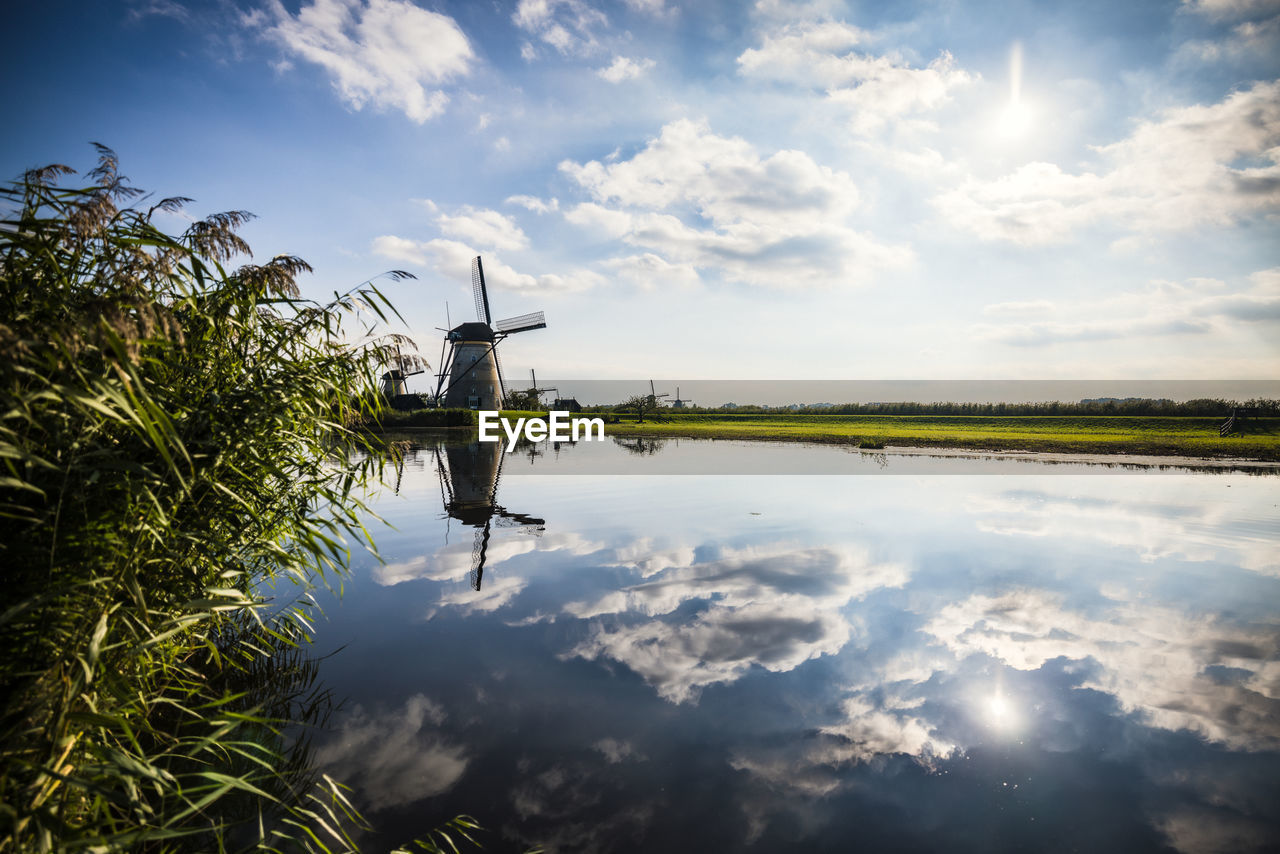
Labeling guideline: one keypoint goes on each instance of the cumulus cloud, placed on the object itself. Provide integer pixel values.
(876, 89)
(1246, 40)
(1152, 530)
(535, 204)
(693, 198)
(569, 26)
(388, 53)
(772, 607)
(616, 750)
(1157, 662)
(483, 227)
(1233, 10)
(452, 259)
(657, 8)
(648, 270)
(1193, 166)
(452, 562)
(393, 757)
(1196, 307)
(865, 731)
(624, 68)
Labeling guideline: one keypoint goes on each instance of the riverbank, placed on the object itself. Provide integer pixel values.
(1106, 435)
(1074, 435)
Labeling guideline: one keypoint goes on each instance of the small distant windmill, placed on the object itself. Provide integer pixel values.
(471, 375)
(534, 390)
(677, 402)
(654, 397)
(401, 365)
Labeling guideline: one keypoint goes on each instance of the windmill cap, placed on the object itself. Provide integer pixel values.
(472, 331)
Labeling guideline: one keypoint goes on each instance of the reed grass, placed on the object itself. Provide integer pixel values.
(179, 448)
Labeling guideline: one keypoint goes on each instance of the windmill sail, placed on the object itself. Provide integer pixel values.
(522, 323)
(480, 292)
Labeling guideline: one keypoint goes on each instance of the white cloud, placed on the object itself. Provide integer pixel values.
(452, 259)
(569, 26)
(1153, 660)
(701, 200)
(399, 249)
(160, 8)
(483, 227)
(1194, 166)
(877, 89)
(1246, 40)
(624, 68)
(649, 271)
(1197, 307)
(657, 8)
(867, 730)
(395, 757)
(533, 203)
(773, 607)
(616, 750)
(1233, 10)
(1019, 309)
(388, 53)
(1171, 528)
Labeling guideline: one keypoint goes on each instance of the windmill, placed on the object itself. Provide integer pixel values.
(400, 366)
(471, 375)
(654, 397)
(536, 392)
(677, 402)
(469, 476)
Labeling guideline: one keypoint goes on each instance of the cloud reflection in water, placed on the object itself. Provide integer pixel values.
(915, 652)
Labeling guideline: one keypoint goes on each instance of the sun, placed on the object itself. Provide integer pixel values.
(1016, 118)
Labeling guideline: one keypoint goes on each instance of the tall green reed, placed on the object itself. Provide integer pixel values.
(177, 437)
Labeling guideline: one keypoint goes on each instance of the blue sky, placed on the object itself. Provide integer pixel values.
(720, 190)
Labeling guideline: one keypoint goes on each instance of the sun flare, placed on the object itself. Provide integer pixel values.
(1015, 119)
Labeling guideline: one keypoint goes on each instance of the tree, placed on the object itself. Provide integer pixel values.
(527, 400)
(640, 404)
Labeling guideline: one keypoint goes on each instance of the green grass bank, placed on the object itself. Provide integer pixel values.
(1194, 437)
(1072, 434)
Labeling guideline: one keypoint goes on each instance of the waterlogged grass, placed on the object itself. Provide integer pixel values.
(1069, 434)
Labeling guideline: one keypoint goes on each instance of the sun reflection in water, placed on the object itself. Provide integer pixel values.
(1000, 712)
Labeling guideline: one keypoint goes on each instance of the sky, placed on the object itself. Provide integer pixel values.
(718, 190)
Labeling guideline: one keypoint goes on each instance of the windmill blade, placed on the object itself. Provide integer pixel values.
(521, 323)
(652, 393)
(502, 385)
(446, 365)
(478, 548)
(480, 292)
(533, 377)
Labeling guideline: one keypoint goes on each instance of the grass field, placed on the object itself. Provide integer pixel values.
(1064, 434)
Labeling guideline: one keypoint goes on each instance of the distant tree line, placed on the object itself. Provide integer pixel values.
(1201, 407)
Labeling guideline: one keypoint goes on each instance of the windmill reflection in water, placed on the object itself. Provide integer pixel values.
(469, 475)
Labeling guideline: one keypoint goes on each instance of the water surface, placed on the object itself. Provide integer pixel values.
(1040, 658)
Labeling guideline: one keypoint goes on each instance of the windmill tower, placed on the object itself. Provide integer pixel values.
(471, 375)
(677, 402)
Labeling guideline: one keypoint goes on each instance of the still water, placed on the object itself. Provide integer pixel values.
(973, 655)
